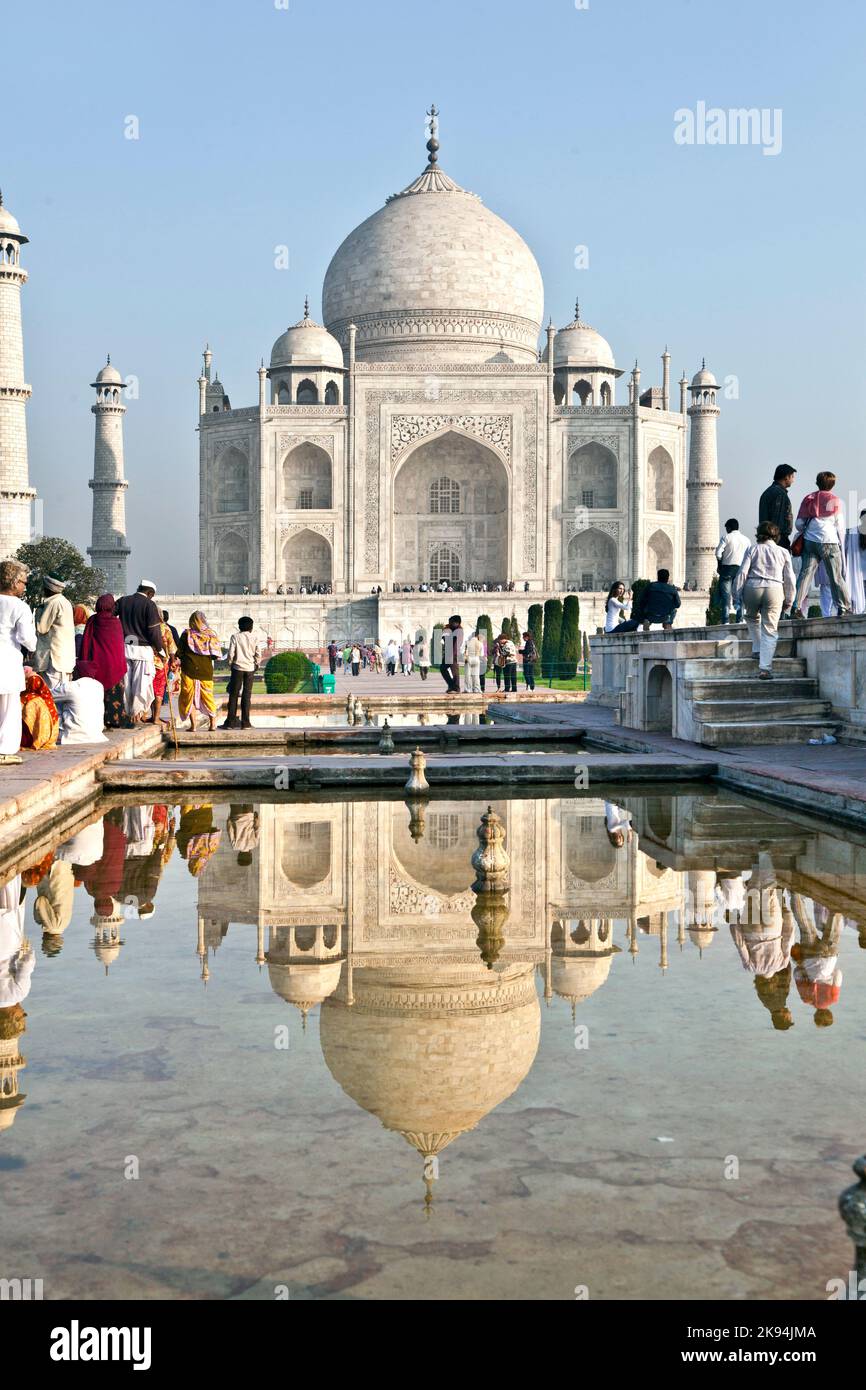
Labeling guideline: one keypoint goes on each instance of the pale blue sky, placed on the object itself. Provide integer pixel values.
(262, 126)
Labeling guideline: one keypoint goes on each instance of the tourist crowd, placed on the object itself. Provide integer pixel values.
(756, 577)
(472, 654)
(68, 671)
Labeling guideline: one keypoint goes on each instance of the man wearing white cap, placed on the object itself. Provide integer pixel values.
(55, 634)
(141, 621)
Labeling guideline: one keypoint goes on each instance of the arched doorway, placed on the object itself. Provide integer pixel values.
(231, 571)
(659, 700)
(451, 494)
(591, 477)
(591, 561)
(660, 481)
(307, 478)
(660, 553)
(306, 560)
(230, 488)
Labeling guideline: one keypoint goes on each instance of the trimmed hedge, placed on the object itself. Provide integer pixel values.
(535, 624)
(714, 608)
(552, 637)
(287, 672)
(569, 642)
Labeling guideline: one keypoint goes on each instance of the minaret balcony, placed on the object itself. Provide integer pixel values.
(103, 484)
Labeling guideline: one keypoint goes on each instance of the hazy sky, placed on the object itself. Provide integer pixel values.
(262, 126)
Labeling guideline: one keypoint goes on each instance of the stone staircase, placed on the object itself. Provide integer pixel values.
(731, 706)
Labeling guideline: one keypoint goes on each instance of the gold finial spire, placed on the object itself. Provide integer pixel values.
(306, 306)
(433, 143)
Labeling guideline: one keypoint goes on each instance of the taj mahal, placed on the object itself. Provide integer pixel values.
(428, 434)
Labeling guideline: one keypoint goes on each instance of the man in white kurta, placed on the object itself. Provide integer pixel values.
(17, 633)
(81, 706)
(55, 634)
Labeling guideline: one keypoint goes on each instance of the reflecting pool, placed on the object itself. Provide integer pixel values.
(314, 1045)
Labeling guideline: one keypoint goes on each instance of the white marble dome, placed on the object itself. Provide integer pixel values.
(434, 275)
(580, 345)
(108, 376)
(307, 344)
(704, 378)
(9, 225)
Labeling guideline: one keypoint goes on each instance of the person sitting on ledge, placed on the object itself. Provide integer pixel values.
(657, 603)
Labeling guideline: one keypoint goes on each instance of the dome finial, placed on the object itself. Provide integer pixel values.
(703, 364)
(433, 127)
(577, 311)
(306, 306)
(108, 359)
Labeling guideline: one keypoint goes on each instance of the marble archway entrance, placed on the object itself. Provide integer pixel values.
(450, 498)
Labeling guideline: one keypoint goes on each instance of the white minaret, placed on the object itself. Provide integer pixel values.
(16, 494)
(702, 520)
(108, 550)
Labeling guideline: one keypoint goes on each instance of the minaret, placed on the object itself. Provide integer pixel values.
(702, 519)
(108, 550)
(16, 494)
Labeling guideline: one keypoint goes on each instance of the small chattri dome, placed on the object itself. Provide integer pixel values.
(704, 378)
(578, 344)
(108, 375)
(9, 225)
(307, 344)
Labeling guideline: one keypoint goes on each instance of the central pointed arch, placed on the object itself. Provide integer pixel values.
(452, 492)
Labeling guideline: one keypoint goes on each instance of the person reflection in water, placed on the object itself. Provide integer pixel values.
(817, 974)
(243, 829)
(762, 929)
(617, 823)
(16, 954)
(197, 838)
(149, 844)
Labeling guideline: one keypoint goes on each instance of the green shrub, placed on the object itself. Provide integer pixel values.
(714, 609)
(814, 610)
(552, 637)
(287, 672)
(637, 589)
(569, 642)
(535, 623)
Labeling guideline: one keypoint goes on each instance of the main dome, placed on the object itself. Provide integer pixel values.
(434, 275)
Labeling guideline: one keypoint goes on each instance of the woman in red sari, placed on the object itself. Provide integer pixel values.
(102, 645)
(39, 717)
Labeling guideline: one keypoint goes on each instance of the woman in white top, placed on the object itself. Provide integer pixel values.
(766, 581)
(615, 606)
(17, 631)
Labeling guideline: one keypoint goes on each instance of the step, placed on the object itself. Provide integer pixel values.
(784, 646)
(743, 733)
(701, 667)
(751, 688)
(768, 709)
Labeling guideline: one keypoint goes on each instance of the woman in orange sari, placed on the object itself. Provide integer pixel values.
(38, 713)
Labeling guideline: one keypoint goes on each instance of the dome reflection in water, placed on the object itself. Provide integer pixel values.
(528, 994)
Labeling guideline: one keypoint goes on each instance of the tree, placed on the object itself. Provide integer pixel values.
(536, 623)
(714, 608)
(552, 636)
(516, 634)
(485, 627)
(54, 556)
(569, 642)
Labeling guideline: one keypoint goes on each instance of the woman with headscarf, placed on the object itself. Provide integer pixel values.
(80, 615)
(39, 717)
(102, 645)
(198, 646)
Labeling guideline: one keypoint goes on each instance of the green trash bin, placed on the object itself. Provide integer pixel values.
(328, 685)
